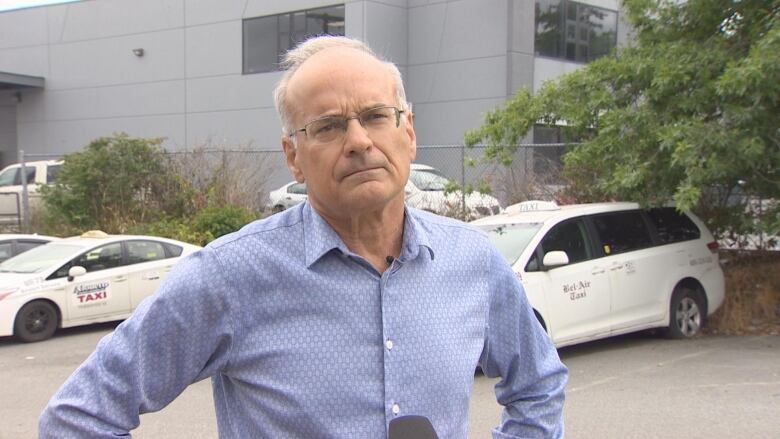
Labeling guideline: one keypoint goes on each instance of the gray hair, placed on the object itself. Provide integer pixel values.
(293, 59)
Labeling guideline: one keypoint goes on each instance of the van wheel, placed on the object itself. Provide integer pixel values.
(36, 321)
(686, 313)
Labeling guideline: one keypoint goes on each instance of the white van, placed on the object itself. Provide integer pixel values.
(11, 189)
(595, 270)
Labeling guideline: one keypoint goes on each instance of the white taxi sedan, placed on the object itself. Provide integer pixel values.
(596, 270)
(81, 280)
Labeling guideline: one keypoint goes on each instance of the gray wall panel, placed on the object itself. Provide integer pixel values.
(546, 69)
(101, 19)
(521, 72)
(258, 128)
(235, 92)
(386, 31)
(155, 98)
(445, 123)
(25, 61)
(26, 27)
(111, 61)
(212, 11)
(214, 49)
(69, 136)
(457, 30)
(470, 79)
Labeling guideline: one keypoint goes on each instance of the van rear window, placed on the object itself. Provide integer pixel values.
(672, 226)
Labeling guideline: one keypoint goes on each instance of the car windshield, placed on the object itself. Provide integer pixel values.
(39, 258)
(428, 179)
(511, 239)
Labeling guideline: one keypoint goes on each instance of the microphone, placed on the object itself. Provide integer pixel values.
(389, 260)
(411, 427)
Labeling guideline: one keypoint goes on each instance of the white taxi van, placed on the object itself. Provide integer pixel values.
(81, 280)
(595, 270)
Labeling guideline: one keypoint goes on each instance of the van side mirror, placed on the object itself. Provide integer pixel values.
(76, 271)
(555, 258)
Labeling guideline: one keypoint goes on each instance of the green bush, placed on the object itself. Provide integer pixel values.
(115, 184)
(214, 222)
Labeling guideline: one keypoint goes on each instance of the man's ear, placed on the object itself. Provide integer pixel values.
(409, 127)
(291, 155)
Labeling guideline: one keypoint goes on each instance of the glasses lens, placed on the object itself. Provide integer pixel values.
(378, 118)
(326, 129)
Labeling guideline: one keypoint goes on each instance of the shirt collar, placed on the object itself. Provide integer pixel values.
(320, 238)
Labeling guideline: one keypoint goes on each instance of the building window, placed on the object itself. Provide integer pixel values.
(267, 38)
(574, 31)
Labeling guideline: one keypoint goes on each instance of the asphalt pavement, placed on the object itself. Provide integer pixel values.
(635, 386)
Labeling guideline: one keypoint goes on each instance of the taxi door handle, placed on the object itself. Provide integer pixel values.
(597, 270)
(616, 267)
(152, 277)
(120, 279)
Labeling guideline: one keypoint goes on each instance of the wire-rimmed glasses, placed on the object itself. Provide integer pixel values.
(331, 128)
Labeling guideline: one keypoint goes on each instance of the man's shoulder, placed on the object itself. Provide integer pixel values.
(441, 227)
(265, 230)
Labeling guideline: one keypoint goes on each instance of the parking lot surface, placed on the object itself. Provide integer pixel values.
(636, 386)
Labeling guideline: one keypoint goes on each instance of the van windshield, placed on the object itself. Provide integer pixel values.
(511, 239)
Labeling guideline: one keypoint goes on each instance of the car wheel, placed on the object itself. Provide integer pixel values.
(36, 321)
(686, 313)
(278, 208)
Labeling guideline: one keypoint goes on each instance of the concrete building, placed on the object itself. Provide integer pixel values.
(200, 72)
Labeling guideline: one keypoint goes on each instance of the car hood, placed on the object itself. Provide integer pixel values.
(18, 280)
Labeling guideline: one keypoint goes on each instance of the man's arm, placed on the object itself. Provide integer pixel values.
(176, 337)
(518, 350)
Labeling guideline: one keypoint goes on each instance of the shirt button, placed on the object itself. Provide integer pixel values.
(396, 409)
(389, 344)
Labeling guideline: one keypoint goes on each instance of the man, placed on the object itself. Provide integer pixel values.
(335, 317)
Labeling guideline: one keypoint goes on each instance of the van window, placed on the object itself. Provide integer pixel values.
(570, 237)
(672, 226)
(51, 173)
(12, 177)
(621, 232)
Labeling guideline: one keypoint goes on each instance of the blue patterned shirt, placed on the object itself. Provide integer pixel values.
(304, 338)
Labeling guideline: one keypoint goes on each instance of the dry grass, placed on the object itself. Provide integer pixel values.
(752, 294)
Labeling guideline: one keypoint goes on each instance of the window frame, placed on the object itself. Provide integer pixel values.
(563, 26)
(279, 52)
(589, 238)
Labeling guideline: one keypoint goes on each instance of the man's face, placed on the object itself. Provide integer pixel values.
(363, 170)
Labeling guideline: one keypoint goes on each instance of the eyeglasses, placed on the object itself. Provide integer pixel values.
(331, 128)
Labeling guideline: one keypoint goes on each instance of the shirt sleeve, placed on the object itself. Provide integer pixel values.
(178, 336)
(517, 350)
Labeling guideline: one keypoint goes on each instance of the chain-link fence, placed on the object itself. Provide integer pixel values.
(535, 172)
(246, 176)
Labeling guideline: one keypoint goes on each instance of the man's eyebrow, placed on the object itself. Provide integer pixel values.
(362, 108)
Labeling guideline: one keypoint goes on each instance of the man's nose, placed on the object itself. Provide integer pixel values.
(356, 138)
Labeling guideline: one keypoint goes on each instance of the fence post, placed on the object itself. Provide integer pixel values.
(25, 196)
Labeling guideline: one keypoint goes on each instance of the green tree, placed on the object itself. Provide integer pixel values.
(689, 112)
(114, 184)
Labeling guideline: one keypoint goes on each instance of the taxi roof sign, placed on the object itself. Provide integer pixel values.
(532, 206)
(94, 234)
